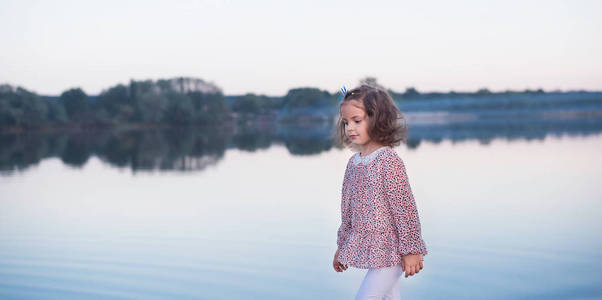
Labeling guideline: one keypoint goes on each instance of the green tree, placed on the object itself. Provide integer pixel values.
(56, 112)
(117, 103)
(76, 103)
(252, 103)
(20, 107)
(371, 81)
(180, 109)
(209, 107)
(306, 97)
(411, 92)
(151, 107)
(483, 91)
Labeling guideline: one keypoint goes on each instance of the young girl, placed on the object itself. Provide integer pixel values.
(380, 228)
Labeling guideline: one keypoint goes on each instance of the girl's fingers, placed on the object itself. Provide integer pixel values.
(410, 271)
(339, 267)
(414, 270)
(421, 266)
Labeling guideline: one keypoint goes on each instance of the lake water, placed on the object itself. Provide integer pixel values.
(509, 218)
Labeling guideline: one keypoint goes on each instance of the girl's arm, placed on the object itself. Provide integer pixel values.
(403, 207)
(345, 227)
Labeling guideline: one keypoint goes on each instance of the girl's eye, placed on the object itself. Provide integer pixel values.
(357, 121)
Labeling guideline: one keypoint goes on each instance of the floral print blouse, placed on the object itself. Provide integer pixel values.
(379, 218)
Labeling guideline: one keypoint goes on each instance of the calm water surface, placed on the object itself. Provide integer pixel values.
(517, 219)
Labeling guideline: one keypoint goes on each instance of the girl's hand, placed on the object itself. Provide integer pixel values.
(411, 264)
(339, 267)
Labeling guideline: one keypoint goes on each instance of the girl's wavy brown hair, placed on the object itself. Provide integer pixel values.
(386, 124)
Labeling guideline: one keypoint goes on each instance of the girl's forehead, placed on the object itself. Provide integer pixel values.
(352, 109)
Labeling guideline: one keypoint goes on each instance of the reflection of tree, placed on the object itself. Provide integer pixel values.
(252, 139)
(413, 143)
(78, 149)
(195, 148)
(182, 149)
(307, 140)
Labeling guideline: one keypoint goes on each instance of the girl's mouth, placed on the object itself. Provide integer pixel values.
(353, 136)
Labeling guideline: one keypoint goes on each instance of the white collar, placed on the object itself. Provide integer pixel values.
(357, 158)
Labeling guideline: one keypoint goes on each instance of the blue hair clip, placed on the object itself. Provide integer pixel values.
(343, 93)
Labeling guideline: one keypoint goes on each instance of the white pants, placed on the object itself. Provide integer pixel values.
(381, 283)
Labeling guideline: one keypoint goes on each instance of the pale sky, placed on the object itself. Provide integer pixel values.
(269, 47)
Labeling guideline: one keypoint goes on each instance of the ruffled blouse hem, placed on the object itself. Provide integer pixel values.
(359, 265)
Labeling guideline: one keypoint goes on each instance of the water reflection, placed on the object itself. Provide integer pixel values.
(510, 220)
(195, 148)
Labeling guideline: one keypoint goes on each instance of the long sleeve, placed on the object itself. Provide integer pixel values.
(345, 227)
(403, 207)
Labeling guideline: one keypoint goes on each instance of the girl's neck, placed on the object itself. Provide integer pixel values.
(367, 149)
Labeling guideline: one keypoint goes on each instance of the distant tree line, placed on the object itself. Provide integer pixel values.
(179, 101)
(176, 101)
(413, 93)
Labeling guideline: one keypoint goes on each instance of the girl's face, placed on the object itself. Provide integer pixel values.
(356, 122)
